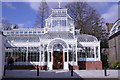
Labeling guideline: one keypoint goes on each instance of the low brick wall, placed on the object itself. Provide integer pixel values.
(90, 65)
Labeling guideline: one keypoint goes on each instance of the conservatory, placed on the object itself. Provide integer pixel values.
(56, 46)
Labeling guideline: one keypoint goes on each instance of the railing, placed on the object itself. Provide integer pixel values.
(23, 32)
(88, 59)
(57, 29)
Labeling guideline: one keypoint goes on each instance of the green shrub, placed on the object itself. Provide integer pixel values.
(115, 65)
(104, 58)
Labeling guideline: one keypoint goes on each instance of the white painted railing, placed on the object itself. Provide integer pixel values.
(88, 59)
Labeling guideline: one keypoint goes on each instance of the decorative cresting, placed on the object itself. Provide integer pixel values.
(58, 43)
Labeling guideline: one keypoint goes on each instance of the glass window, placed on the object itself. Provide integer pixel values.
(21, 32)
(80, 54)
(30, 32)
(89, 52)
(34, 32)
(18, 54)
(8, 33)
(7, 54)
(17, 32)
(12, 32)
(45, 56)
(96, 52)
(65, 56)
(74, 57)
(39, 32)
(83, 55)
(50, 56)
(70, 56)
(25, 32)
(58, 23)
(33, 56)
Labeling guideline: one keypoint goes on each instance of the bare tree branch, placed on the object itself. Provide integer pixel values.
(86, 18)
(6, 25)
(42, 14)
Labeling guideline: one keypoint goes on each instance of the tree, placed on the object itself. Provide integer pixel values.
(86, 18)
(42, 14)
(104, 59)
(6, 25)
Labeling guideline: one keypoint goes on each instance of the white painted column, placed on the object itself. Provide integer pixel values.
(95, 53)
(51, 24)
(27, 54)
(66, 24)
(49, 62)
(67, 67)
(40, 52)
(99, 56)
(43, 53)
(72, 54)
(65, 62)
(76, 54)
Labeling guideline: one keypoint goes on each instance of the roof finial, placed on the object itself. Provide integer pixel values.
(59, 3)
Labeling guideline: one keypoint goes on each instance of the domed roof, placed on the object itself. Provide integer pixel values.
(86, 38)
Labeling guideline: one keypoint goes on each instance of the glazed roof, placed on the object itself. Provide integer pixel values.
(86, 38)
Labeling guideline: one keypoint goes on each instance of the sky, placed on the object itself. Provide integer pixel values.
(24, 13)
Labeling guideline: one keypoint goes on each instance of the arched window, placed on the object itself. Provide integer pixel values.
(57, 43)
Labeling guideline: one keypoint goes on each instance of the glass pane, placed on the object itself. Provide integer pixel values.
(65, 56)
(50, 56)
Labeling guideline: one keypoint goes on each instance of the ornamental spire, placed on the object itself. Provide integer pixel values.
(59, 3)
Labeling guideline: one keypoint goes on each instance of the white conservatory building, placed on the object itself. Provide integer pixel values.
(56, 46)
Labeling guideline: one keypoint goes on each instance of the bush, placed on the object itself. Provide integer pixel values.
(104, 58)
(115, 65)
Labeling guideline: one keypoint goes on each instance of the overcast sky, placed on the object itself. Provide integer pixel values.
(24, 13)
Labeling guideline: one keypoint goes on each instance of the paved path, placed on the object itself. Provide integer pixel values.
(61, 74)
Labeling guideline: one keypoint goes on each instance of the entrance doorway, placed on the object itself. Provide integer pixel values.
(57, 59)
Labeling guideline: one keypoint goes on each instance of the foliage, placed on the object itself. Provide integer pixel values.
(6, 25)
(104, 43)
(115, 65)
(104, 59)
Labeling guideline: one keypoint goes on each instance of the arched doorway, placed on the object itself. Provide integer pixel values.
(58, 56)
(57, 49)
